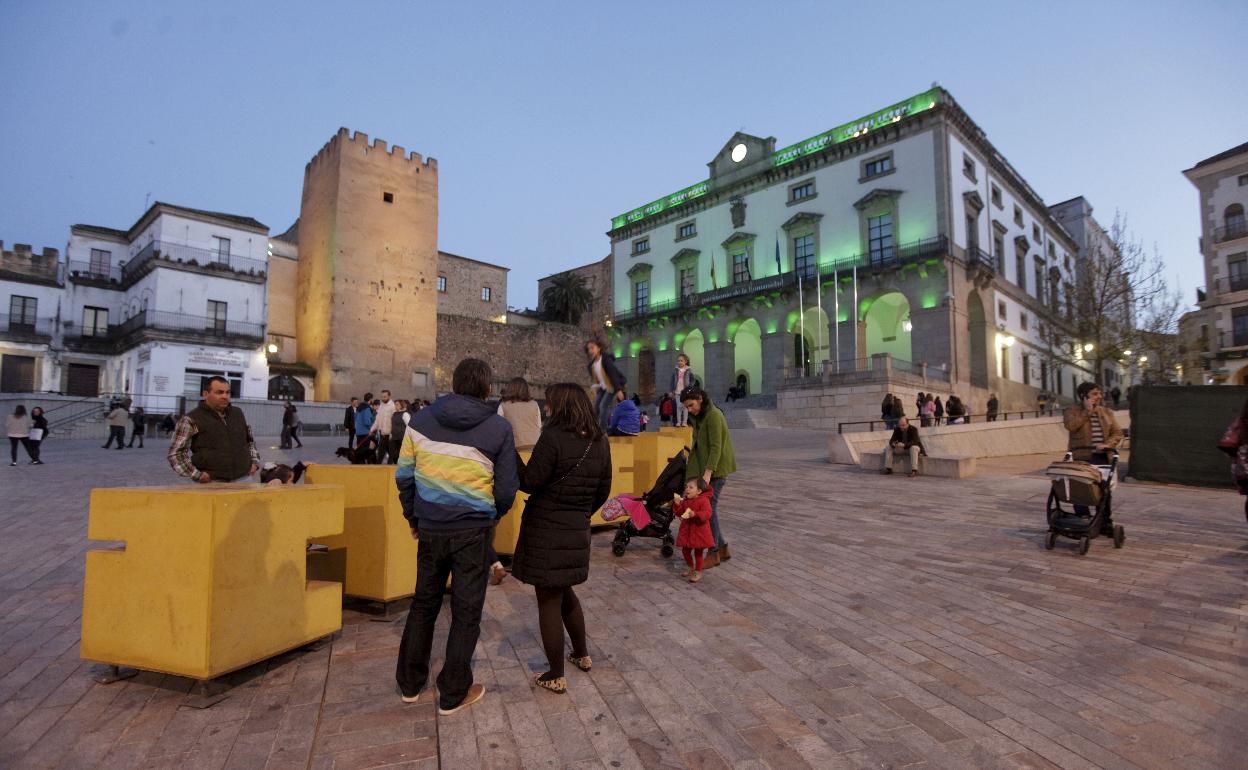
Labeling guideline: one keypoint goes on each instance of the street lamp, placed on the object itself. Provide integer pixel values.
(1126, 353)
(272, 348)
(1008, 340)
(1088, 347)
(907, 325)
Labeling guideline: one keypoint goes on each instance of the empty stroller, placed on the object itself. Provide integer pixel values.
(1089, 486)
(658, 503)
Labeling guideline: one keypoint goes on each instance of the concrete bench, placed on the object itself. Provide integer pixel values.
(948, 467)
(317, 428)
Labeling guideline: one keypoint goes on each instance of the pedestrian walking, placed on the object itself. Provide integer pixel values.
(17, 426)
(1115, 395)
(938, 412)
(139, 421)
(567, 478)
(520, 411)
(398, 427)
(380, 429)
(364, 418)
(683, 377)
(212, 442)
(456, 477)
(348, 421)
(290, 427)
(712, 458)
(695, 538)
(608, 381)
(928, 415)
(117, 420)
(38, 432)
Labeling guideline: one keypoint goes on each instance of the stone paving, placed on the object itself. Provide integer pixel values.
(864, 622)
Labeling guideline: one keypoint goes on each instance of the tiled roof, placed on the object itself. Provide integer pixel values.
(1243, 148)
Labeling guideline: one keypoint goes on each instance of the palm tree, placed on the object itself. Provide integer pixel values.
(566, 298)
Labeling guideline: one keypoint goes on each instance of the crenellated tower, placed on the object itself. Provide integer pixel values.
(366, 314)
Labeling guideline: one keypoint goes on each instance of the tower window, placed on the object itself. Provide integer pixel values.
(485, 293)
(388, 197)
(442, 284)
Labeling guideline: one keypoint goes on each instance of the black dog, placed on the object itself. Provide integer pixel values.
(365, 455)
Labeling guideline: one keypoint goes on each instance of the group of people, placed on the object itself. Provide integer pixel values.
(458, 473)
(375, 426)
(927, 407)
(29, 430)
(120, 416)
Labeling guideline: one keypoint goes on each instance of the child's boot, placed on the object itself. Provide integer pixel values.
(695, 577)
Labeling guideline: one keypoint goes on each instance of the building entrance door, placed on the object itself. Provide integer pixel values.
(645, 375)
(83, 380)
(17, 374)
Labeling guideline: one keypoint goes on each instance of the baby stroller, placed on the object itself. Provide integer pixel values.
(658, 503)
(1078, 483)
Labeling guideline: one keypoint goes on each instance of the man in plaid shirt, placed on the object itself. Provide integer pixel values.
(213, 442)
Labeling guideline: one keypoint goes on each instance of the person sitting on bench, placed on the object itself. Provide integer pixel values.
(904, 442)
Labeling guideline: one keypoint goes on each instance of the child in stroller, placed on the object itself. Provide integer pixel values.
(1088, 488)
(657, 504)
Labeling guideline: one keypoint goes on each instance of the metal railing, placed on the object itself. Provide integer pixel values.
(979, 259)
(80, 270)
(191, 255)
(1230, 284)
(1230, 231)
(896, 257)
(853, 367)
(196, 326)
(18, 328)
(932, 422)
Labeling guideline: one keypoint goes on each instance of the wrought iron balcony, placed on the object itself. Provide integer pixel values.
(78, 270)
(1230, 231)
(1231, 284)
(22, 329)
(194, 257)
(165, 325)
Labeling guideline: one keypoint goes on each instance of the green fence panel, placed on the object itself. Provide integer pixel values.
(1175, 429)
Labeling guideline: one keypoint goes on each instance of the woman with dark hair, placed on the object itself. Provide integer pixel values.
(18, 428)
(711, 457)
(518, 408)
(38, 423)
(608, 381)
(567, 478)
(139, 419)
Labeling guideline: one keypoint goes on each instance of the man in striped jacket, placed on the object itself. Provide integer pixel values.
(456, 476)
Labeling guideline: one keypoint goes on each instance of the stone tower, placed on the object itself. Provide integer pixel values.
(367, 300)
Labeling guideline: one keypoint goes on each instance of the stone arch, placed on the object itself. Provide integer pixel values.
(977, 334)
(746, 336)
(886, 325)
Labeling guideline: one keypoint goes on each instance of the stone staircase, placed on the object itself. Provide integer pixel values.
(751, 412)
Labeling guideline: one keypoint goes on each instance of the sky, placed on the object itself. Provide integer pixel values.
(549, 118)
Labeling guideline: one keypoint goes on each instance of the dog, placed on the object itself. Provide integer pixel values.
(364, 455)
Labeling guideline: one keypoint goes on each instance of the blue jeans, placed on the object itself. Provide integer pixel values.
(717, 484)
(605, 405)
(462, 555)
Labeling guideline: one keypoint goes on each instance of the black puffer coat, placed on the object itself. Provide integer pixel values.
(553, 549)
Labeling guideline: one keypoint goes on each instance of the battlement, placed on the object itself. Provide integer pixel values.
(359, 140)
(23, 261)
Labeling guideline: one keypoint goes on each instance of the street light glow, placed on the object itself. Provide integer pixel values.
(1087, 347)
(272, 347)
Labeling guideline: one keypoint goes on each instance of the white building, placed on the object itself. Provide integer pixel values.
(153, 310)
(922, 240)
(1222, 181)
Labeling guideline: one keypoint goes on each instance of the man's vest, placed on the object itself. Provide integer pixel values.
(220, 446)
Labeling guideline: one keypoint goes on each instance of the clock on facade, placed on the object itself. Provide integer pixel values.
(738, 153)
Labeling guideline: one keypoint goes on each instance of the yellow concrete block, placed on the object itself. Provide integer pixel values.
(623, 479)
(507, 531)
(381, 554)
(685, 434)
(652, 452)
(211, 579)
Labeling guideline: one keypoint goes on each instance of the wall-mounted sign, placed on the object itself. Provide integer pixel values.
(216, 358)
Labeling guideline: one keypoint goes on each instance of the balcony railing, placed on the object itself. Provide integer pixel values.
(896, 257)
(1231, 284)
(190, 255)
(77, 269)
(199, 328)
(20, 329)
(1230, 231)
(978, 259)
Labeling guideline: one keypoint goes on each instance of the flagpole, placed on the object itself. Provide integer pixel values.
(820, 316)
(836, 313)
(801, 320)
(854, 310)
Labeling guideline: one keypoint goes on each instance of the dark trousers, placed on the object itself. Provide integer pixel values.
(285, 442)
(138, 433)
(32, 447)
(462, 556)
(117, 432)
(393, 446)
(717, 485)
(351, 437)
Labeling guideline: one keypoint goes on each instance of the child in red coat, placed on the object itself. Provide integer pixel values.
(695, 537)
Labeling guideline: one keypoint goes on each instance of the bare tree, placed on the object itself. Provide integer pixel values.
(1118, 282)
(1158, 335)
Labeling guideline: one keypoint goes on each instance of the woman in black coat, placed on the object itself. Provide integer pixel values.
(568, 477)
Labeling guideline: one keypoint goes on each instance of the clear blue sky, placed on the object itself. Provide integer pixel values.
(549, 118)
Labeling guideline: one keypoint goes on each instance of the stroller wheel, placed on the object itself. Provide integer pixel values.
(667, 551)
(1120, 535)
(617, 549)
(1084, 544)
(1049, 541)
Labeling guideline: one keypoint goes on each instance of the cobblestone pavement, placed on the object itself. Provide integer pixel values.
(864, 622)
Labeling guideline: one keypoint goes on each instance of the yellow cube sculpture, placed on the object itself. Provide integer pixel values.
(652, 451)
(685, 434)
(507, 531)
(381, 554)
(623, 479)
(212, 578)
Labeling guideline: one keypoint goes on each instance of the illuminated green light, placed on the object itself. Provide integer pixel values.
(662, 344)
(619, 352)
(712, 337)
(928, 301)
(771, 327)
(857, 128)
(891, 114)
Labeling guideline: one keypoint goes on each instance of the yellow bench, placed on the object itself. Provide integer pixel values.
(381, 554)
(507, 531)
(212, 578)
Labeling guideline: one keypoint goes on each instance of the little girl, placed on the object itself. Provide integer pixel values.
(695, 537)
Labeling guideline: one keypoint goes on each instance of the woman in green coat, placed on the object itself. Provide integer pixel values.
(711, 458)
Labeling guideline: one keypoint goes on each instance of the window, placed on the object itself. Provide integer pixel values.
(687, 230)
(804, 256)
(641, 245)
(1018, 215)
(1239, 321)
(223, 249)
(972, 234)
(1026, 368)
(1070, 302)
(1237, 268)
(996, 196)
(485, 293)
(1038, 287)
(641, 296)
(195, 381)
(998, 251)
(216, 316)
(1001, 310)
(1243, 180)
(1052, 251)
(877, 166)
(101, 262)
(968, 167)
(1035, 233)
(880, 237)
(688, 282)
(22, 313)
(741, 267)
(442, 284)
(1005, 362)
(95, 321)
(802, 191)
(1022, 320)
(387, 197)
(1020, 267)
(1233, 218)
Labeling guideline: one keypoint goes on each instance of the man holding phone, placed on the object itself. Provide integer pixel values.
(1094, 432)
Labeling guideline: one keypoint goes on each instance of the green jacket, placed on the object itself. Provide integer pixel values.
(712, 446)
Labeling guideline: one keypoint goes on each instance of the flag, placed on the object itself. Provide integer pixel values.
(714, 285)
(779, 267)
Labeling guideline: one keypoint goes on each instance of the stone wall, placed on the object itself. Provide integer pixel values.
(23, 261)
(597, 277)
(464, 280)
(543, 354)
